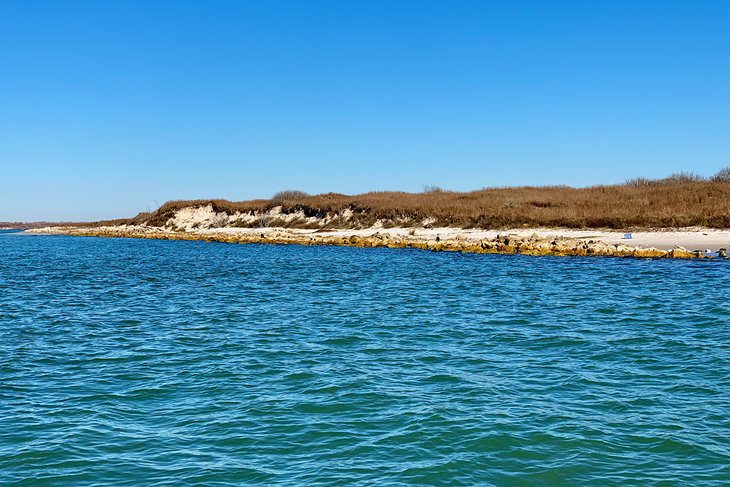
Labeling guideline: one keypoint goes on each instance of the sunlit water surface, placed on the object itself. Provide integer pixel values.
(135, 362)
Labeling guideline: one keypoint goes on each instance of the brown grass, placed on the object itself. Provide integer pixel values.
(678, 201)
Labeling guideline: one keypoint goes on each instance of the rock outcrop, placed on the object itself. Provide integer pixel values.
(502, 244)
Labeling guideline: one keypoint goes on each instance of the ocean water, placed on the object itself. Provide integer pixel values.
(140, 362)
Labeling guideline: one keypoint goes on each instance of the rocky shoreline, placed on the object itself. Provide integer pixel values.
(501, 244)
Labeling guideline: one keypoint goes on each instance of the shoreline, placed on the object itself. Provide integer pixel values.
(682, 244)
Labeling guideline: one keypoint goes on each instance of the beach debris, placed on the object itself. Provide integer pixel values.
(628, 236)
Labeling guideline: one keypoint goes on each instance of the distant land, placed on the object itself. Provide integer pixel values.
(681, 216)
(30, 225)
(678, 201)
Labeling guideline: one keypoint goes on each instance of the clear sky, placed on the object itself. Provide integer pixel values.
(109, 108)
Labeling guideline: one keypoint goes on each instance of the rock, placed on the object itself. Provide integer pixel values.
(651, 252)
(722, 253)
(507, 244)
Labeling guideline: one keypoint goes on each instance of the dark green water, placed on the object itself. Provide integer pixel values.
(133, 362)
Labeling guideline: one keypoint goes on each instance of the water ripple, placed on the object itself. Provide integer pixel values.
(133, 362)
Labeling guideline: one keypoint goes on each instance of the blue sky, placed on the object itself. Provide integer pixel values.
(109, 108)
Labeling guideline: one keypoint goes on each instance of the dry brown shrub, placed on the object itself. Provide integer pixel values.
(678, 201)
(722, 176)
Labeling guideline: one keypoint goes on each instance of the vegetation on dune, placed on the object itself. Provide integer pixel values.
(680, 200)
(288, 196)
(722, 176)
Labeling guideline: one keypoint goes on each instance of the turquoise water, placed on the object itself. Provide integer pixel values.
(135, 362)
